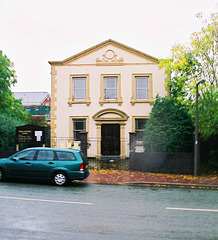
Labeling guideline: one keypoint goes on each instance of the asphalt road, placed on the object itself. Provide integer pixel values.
(30, 211)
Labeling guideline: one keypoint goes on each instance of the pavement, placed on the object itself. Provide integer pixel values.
(152, 179)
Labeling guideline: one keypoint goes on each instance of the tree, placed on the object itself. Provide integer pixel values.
(7, 73)
(12, 113)
(8, 104)
(189, 65)
(7, 78)
(169, 128)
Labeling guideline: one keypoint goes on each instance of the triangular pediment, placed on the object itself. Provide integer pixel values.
(108, 52)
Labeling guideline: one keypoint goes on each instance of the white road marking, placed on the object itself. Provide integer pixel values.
(192, 209)
(44, 200)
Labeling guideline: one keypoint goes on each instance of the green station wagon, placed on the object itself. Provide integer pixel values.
(58, 165)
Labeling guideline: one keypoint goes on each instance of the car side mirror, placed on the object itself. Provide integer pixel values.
(14, 159)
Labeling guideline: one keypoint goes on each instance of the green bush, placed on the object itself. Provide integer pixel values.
(8, 131)
(169, 128)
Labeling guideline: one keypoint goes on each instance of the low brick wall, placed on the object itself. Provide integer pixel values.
(175, 163)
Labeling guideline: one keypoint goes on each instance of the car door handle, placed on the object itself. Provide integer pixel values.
(50, 163)
(28, 163)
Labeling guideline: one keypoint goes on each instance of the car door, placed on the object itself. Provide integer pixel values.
(44, 164)
(21, 165)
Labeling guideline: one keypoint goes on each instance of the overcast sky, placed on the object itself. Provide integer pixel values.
(33, 32)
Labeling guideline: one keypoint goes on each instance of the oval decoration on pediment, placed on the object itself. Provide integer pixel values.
(109, 57)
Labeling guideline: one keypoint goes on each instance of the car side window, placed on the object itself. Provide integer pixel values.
(66, 156)
(27, 155)
(45, 155)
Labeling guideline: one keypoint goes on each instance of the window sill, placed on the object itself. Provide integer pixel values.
(134, 101)
(71, 102)
(104, 101)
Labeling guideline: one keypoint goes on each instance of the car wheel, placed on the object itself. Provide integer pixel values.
(2, 176)
(60, 179)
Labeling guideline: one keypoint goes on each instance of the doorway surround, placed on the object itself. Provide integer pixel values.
(111, 116)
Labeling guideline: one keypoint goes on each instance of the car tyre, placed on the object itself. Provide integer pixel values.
(2, 175)
(60, 179)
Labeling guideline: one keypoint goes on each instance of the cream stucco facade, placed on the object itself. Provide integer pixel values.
(108, 61)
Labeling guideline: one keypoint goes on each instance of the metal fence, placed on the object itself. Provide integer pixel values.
(63, 142)
(109, 163)
(92, 145)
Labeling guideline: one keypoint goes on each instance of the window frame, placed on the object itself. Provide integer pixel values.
(150, 99)
(104, 100)
(75, 130)
(72, 118)
(107, 88)
(71, 99)
(134, 118)
(80, 88)
(139, 140)
(137, 123)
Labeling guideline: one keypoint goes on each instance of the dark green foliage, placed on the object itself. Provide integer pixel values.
(169, 129)
(209, 155)
(8, 131)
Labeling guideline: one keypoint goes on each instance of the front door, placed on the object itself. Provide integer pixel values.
(110, 139)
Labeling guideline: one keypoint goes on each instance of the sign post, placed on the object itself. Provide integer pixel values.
(30, 134)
